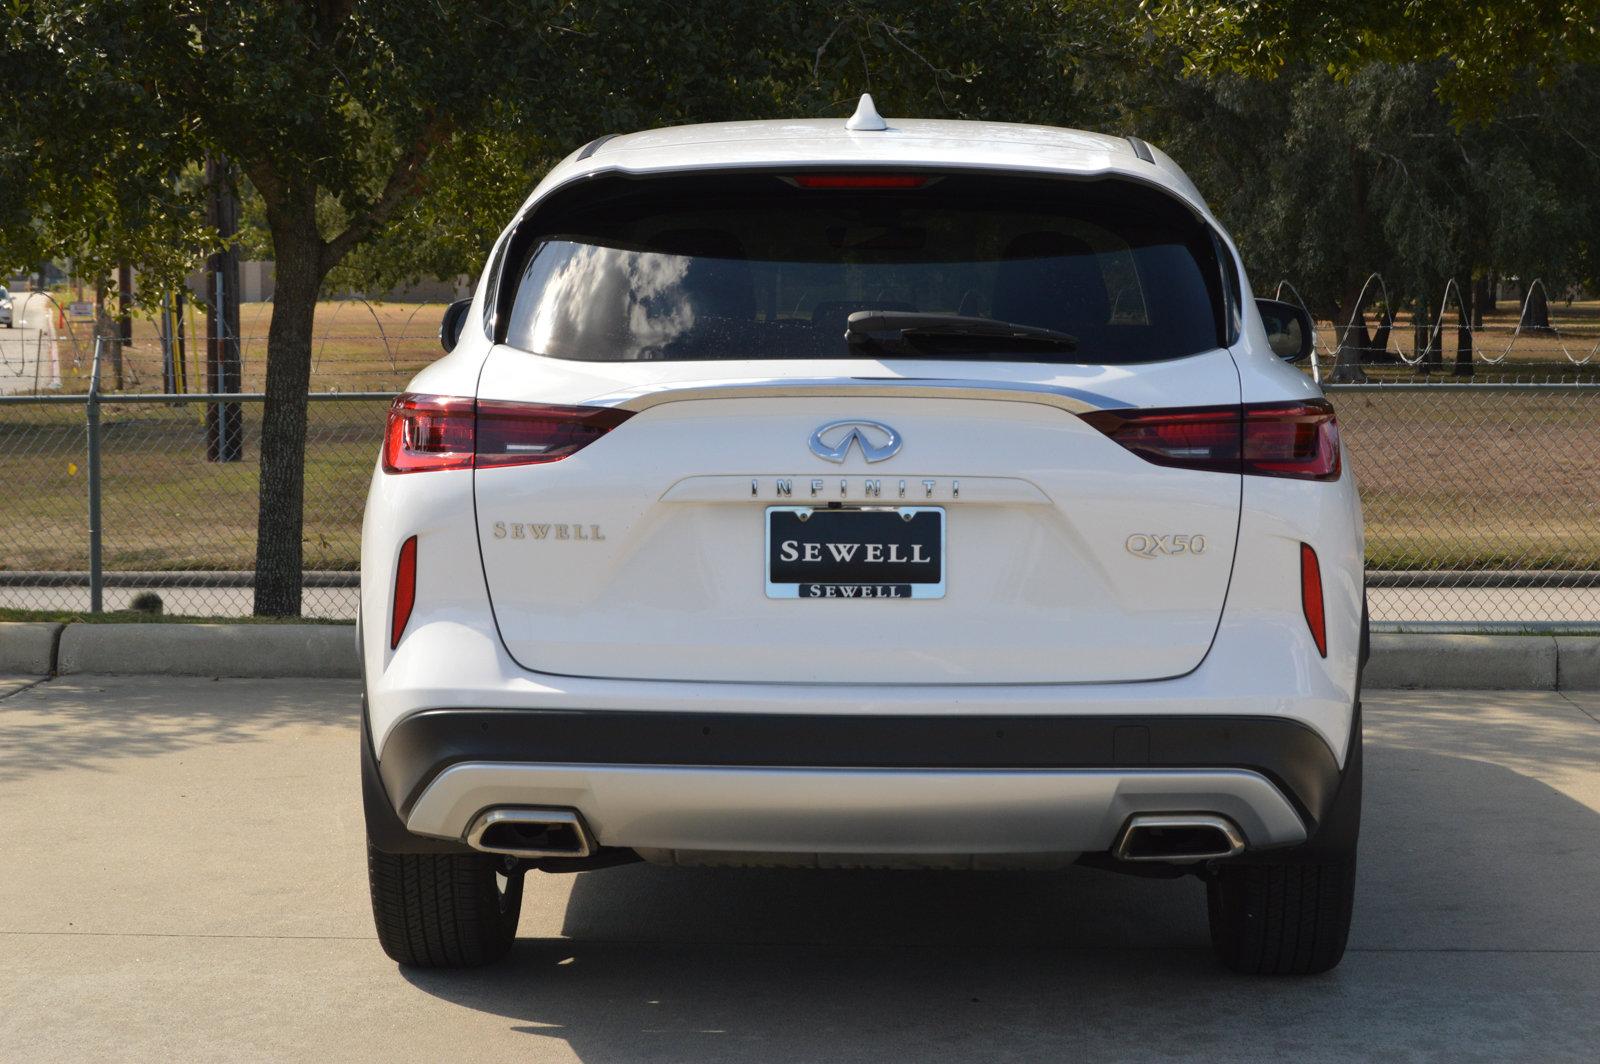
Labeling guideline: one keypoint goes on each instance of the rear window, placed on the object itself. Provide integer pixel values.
(755, 267)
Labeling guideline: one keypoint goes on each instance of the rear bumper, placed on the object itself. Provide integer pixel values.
(787, 783)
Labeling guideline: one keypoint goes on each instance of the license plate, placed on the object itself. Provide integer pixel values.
(890, 552)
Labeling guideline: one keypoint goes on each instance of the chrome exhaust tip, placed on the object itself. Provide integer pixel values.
(1179, 838)
(526, 832)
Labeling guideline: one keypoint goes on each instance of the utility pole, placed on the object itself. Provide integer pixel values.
(224, 421)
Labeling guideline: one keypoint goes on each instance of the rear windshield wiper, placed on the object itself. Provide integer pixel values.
(931, 333)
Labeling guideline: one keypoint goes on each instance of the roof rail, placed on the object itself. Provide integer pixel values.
(595, 145)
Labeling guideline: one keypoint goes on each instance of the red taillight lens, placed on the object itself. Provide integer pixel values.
(860, 180)
(1202, 437)
(1311, 597)
(1292, 440)
(1263, 439)
(428, 432)
(526, 434)
(405, 591)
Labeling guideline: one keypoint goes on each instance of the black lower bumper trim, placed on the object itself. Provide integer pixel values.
(1290, 754)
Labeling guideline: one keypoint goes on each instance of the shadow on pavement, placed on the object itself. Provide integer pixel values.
(72, 723)
(1477, 937)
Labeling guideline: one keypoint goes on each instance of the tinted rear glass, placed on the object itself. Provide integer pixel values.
(753, 267)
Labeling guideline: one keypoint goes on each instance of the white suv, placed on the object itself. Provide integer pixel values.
(830, 494)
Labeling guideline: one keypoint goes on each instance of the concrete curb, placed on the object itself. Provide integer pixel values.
(1469, 662)
(1399, 660)
(320, 651)
(29, 647)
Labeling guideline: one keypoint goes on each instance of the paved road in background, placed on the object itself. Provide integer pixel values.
(181, 878)
(30, 351)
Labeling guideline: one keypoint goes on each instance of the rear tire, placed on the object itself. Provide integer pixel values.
(1288, 919)
(443, 910)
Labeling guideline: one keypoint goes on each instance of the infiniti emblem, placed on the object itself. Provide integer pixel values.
(877, 441)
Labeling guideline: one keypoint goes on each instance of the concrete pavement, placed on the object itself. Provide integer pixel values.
(181, 878)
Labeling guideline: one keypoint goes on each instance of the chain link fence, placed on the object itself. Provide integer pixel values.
(1482, 501)
(171, 520)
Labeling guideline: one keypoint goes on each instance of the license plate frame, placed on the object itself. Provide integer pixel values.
(863, 589)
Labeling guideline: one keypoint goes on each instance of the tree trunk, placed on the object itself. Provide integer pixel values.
(279, 548)
(1378, 349)
(1482, 300)
(224, 421)
(1353, 340)
(1536, 311)
(1464, 301)
(125, 302)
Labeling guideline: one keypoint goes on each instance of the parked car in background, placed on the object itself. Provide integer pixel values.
(842, 494)
(5, 307)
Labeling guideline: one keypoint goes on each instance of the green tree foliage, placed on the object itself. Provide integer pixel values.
(1324, 181)
(1479, 50)
(1021, 60)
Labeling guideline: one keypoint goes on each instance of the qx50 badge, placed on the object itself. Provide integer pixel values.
(1150, 544)
(878, 442)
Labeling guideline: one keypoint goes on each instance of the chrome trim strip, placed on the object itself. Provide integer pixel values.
(1072, 400)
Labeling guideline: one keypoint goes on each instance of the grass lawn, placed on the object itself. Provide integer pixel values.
(359, 346)
(164, 506)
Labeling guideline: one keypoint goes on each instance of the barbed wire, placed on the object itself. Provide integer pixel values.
(1452, 291)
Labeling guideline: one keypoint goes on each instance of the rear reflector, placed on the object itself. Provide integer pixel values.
(1299, 440)
(405, 591)
(1311, 597)
(860, 180)
(429, 432)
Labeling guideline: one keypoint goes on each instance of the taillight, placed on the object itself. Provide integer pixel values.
(1311, 597)
(1201, 437)
(1292, 440)
(526, 434)
(428, 432)
(1299, 439)
(405, 591)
